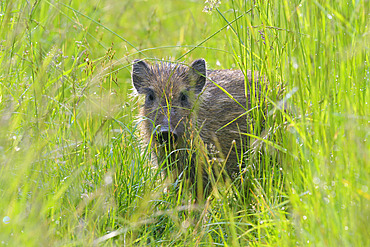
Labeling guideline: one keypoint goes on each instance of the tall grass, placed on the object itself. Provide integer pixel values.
(73, 170)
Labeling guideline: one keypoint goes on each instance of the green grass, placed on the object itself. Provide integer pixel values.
(73, 171)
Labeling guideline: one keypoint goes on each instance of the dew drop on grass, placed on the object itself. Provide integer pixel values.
(185, 224)
(108, 179)
(364, 188)
(6, 220)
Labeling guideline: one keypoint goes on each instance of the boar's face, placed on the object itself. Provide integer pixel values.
(170, 94)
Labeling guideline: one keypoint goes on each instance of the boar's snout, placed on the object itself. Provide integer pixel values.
(166, 136)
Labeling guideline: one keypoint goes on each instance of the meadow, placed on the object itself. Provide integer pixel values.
(73, 171)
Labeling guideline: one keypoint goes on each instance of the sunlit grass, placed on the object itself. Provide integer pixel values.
(73, 170)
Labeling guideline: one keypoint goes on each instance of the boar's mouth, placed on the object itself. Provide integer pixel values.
(167, 137)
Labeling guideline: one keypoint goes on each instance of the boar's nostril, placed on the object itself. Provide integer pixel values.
(174, 137)
(165, 136)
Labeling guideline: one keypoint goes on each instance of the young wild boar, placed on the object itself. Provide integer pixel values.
(181, 101)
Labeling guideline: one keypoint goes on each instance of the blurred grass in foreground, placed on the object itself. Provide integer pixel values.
(73, 171)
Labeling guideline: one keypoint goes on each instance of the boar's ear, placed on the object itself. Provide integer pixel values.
(199, 71)
(139, 75)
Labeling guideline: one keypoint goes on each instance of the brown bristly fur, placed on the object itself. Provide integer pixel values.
(186, 101)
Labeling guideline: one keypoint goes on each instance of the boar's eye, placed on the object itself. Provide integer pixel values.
(150, 97)
(183, 98)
